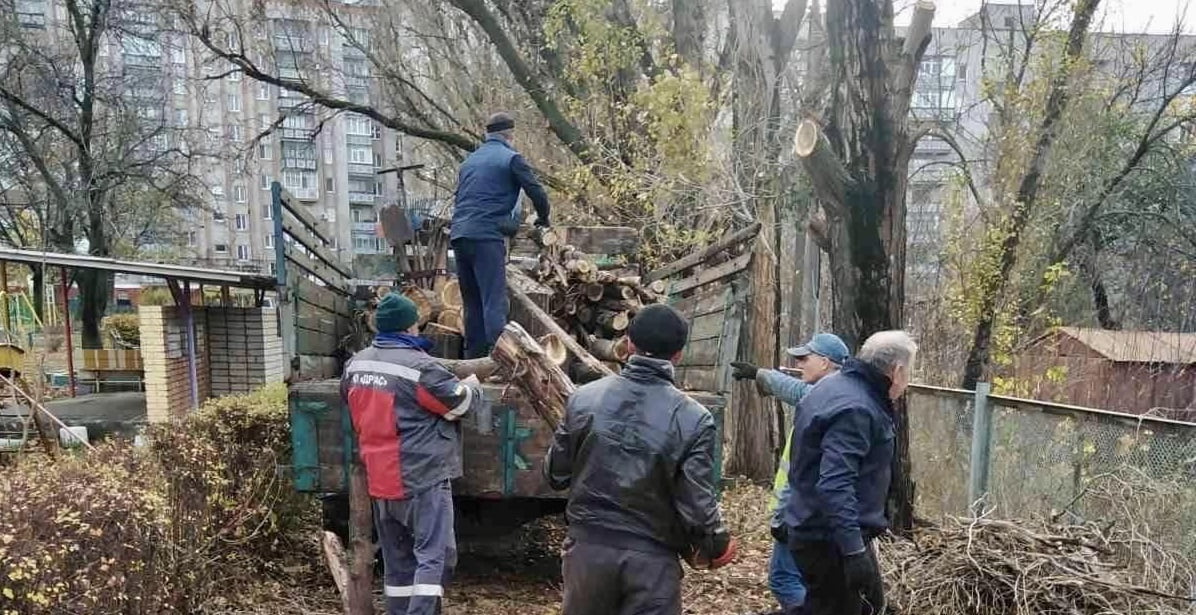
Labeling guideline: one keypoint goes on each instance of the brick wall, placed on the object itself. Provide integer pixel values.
(164, 355)
(245, 348)
(238, 350)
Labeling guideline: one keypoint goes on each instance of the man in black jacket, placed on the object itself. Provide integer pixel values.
(638, 457)
(840, 471)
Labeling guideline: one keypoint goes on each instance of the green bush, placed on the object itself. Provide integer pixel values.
(155, 295)
(169, 528)
(125, 327)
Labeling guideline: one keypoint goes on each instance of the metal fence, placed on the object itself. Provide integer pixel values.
(1023, 458)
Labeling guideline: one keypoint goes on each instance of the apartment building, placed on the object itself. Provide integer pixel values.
(329, 162)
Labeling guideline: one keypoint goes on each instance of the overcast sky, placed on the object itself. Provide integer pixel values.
(1156, 16)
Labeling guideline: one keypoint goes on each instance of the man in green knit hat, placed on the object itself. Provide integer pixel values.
(823, 355)
(405, 408)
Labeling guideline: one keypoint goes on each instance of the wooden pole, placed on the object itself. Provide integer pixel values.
(4, 284)
(66, 321)
(360, 598)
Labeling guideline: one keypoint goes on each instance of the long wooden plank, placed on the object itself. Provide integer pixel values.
(703, 378)
(295, 209)
(314, 342)
(318, 269)
(733, 325)
(317, 248)
(699, 257)
(714, 297)
(308, 292)
(728, 268)
(707, 327)
(702, 352)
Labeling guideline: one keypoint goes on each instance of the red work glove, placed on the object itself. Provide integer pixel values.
(728, 555)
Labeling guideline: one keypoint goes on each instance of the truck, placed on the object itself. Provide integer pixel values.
(322, 308)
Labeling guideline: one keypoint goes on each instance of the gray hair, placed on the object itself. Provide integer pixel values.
(886, 350)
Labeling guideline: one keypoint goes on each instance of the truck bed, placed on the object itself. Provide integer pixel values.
(502, 462)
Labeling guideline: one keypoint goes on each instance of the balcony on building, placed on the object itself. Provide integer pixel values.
(362, 170)
(288, 99)
(31, 14)
(362, 198)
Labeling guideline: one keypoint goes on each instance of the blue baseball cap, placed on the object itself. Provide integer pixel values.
(824, 345)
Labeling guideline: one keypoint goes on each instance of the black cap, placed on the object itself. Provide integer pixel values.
(658, 331)
(499, 122)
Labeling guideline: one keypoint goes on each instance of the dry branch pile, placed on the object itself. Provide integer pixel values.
(592, 302)
(991, 567)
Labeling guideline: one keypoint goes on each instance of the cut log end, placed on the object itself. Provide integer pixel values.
(451, 319)
(805, 140)
(450, 294)
(554, 349)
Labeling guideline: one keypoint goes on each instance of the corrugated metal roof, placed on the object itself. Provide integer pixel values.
(1137, 346)
(177, 272)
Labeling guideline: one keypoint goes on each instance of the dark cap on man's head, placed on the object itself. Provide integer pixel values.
(500, 121)
(658, 331)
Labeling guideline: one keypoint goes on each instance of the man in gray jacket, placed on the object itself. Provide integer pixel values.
(638, 458)
(405, 407)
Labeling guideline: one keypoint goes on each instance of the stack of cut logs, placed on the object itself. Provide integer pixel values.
(590, 302)
(439, 309)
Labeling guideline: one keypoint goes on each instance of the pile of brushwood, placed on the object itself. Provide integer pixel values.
(992, 567)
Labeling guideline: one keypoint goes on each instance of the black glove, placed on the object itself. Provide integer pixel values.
(542, 223)
(860, 571)
(743, 371)
(780, 533)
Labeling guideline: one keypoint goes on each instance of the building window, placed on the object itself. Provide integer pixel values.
(239, 193)
(234, 103)
(264, 151)
(242, 252)
(242, 222)
(377, 159)
(220, 248)
(218, 192)
(329, 185)
(301, 184)
(377, 128)
(268, 212)
(218, 216)
(235, 75)
(191, 239)
(269, 240)
(234, 132)
(358, 125)
(360, 155)
(180, 118)
(178, 55)
(263, 91)
(265, 182)
(327, 153)
(180, 87)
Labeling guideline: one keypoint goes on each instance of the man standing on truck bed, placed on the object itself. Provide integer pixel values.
(405, 407)
(487, 211)
(823, 355)
(638, 458)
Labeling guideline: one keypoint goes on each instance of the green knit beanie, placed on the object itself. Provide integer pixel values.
(395, 314)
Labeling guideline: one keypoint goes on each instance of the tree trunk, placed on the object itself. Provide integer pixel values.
(1026, 197)
(39, 291)
(93, 299)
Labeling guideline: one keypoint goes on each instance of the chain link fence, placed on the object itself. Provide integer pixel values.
(1053, 461)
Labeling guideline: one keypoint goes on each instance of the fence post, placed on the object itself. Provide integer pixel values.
(982, 423)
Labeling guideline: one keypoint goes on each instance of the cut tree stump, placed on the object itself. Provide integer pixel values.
(554, 348)
(543, 383)
(451, 319)
(427, 304)
(450, 295)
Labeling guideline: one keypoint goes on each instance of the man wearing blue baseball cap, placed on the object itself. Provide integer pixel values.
(823, 355)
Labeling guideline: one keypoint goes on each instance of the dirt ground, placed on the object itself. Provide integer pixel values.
(522, 575)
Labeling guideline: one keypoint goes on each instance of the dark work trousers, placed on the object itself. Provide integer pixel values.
(419, 549)
(826, 586)
(482, 276)
(602, 580)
